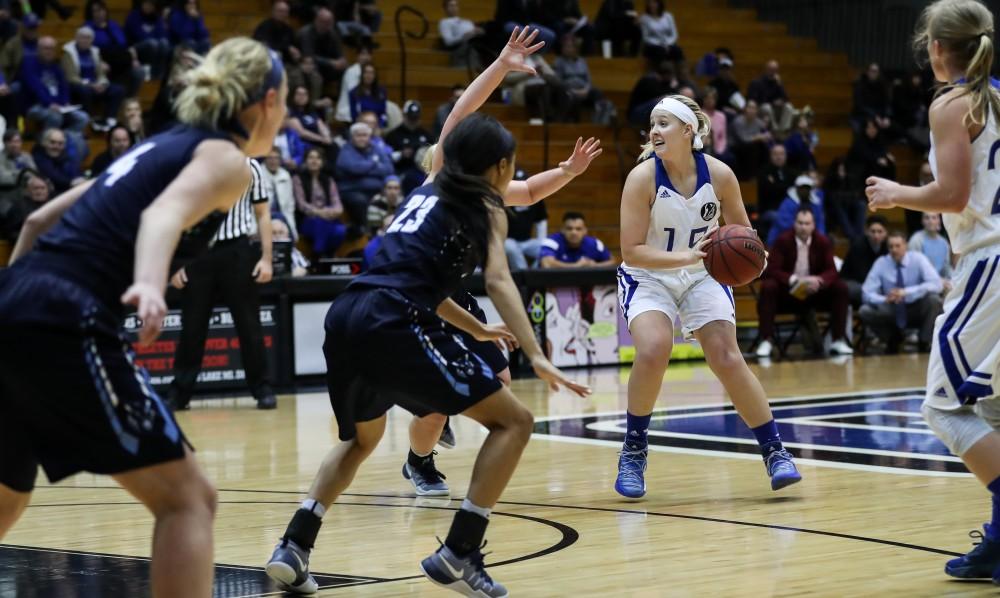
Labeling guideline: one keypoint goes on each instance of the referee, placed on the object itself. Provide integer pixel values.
(229, 271)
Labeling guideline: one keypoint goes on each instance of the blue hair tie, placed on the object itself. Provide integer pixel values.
(271, 81)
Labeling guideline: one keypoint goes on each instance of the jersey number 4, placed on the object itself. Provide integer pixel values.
(122, 166)
(695, 237)
(413, 214)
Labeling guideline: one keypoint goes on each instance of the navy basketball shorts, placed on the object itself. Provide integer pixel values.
(488, 350)
(71, 396)
(382, 350)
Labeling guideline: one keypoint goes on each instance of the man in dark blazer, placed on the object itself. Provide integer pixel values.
(801, 276)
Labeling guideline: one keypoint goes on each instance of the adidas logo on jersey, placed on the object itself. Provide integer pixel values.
(662, 193)
(941, 392)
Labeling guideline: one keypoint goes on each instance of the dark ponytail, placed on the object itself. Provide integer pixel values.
(473, 146)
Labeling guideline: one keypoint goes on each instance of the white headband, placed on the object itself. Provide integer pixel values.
(685, 114)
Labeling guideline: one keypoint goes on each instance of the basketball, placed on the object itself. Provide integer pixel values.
(734, 256)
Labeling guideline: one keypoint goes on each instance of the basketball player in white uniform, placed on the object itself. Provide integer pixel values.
(961, 403)
(670, 202)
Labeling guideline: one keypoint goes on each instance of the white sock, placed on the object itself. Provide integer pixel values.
(313, 507)
(481, 511)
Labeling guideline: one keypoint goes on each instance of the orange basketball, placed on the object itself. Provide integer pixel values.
(735, 255)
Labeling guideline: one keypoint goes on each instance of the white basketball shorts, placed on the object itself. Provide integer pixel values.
(691, 294)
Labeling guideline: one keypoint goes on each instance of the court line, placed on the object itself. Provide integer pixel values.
(603, 510)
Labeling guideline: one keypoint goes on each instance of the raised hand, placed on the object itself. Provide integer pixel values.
(583, 154)
(515, 54)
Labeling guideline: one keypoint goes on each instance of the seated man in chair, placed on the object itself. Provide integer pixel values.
(800, 278)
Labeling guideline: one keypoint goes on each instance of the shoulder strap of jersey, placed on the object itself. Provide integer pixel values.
(701, 166)
(661, 179)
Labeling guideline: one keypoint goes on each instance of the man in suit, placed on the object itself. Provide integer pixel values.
(802, 277)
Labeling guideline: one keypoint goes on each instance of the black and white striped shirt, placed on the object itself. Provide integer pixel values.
(241, 220)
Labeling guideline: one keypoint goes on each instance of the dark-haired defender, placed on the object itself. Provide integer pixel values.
(671, 201)
(71, 397)
(441, 233)
(961, 404)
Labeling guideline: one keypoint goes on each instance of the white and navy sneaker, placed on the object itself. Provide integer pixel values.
(447, 438)
(467, 575)
(426, 479)
(289, 568)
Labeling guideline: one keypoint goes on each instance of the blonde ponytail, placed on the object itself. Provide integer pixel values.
(217, 89)
(983, 98)
(704, 125)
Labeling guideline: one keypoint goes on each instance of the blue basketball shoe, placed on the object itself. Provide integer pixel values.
(289, 568)
(447, 438)
(781, 469)
(426, 479)
(467, 575)
(982, 561)
(631, 466)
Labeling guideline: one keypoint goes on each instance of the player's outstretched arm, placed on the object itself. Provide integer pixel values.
(44, 218)
(460, 318)
(544, 184)
(512, 58)
(950, 190)
(215, 179)
(505, 296)
(635, 227)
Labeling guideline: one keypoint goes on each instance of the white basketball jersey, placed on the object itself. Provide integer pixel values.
(677, 223)
(978, 224)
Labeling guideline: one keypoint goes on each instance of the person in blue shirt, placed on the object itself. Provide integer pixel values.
(573, 247)
(88, 85)
(804, 193)
(111, 41)
(147, 35)
(46, 92)
(902, 290)
(361, 172)
(930, 242)
(369, 95)
(368, 255)
(186, 24)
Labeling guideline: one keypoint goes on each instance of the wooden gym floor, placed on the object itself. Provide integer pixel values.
(881, 508)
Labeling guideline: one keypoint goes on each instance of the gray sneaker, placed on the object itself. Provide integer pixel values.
(427, 480)
(447, 438)
(289, 568)
(467, 576)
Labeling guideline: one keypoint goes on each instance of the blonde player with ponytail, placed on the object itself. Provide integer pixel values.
(961, 403)
(671, 201)
(73, 398)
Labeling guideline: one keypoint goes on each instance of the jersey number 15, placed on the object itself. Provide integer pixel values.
(695, 236)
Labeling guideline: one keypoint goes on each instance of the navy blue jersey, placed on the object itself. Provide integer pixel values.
(94, 242)
(424, 254)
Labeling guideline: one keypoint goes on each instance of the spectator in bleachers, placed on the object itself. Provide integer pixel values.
(320, 205)
(280, 231)
(659, 32)
(306, 122)
(862, 254)
(147, 35)
(130, 116)
(186, 24)
(708, 65)
(320, 40)
(572, 70)
(291, 146)
(14, 159)
(781, 120)
(405, 140)
(361, 172)
(46, 92)
(305, 74)
(717, 143)
(39, 8)
(350, 80)
(442, 112)
(573, 247)
(911, 100)
(750, 139)
(357, 20)
(871, 100)
(527, 230)
(870, 156)
(767, 88)
(369, 95)
(161, 115)
(570, 20)
(457, 33)
(935, 247)
(730, 98)
(384, 203)
(618, 22)
(659, 80)
(371, 119)
(55, 162)
(844, 201)
(533, 13)
(88, 84)
(280, 188)
(29, 193)
(109, 38)
(801, 277)
(375, 242)
(276, 33)
(801, 142)
(902, 290)
(543, 93)
(803, 194)
(119, 142)
(773, 182)
(17, 48)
